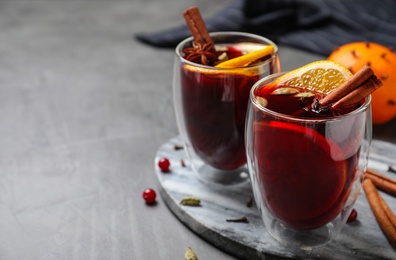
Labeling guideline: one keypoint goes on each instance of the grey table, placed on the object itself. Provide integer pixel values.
(83, 110)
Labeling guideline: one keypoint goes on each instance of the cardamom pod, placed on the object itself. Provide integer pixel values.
(190, 254)
(190, 201)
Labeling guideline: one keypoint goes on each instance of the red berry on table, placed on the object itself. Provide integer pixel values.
(164, 164)
(353, 216)
(149, 196)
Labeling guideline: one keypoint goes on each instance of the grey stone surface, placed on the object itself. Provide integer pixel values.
(83, 110)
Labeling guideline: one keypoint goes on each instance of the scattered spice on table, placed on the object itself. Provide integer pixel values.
(190, 254)
(238, 220)
(391, 169)
(389, 213)
(178, 147)
(381, 181)
(190, 201)
(380, 209)
(249, 203)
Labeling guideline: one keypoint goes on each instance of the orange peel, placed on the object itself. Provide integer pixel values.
(247, 59)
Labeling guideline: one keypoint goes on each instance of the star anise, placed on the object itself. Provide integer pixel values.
(203, 54)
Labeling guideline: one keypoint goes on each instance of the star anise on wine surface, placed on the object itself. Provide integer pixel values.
(202, 54)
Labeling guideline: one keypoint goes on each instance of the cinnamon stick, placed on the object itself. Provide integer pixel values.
(382, 176)
(361, 76)
(353, 90)
(197, 25)
(389, 213)
(373, 198)
(354, 97)
(382, 182)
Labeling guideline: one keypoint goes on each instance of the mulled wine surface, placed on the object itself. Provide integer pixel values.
(214, 104)
(304, 170)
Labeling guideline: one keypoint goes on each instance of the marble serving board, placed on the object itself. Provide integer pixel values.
(362, 239)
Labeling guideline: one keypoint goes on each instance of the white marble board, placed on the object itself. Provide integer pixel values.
(362, 239)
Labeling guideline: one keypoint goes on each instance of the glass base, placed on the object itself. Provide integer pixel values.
(213, 176)
(302, 239)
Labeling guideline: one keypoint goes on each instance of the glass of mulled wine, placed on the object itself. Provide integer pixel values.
(305, 168)
(211, 104)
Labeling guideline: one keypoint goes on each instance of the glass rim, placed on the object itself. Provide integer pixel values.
(297, 119)
(180, 46)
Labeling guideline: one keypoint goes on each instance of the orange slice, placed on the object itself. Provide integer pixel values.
(223, 72)
(247, 59)
(303, 182)
(321, 76)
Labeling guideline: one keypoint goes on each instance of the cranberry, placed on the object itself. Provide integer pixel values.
(164, 164)
(149, 196)
(353, 216)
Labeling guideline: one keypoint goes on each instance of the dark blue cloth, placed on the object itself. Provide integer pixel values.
(314, 25)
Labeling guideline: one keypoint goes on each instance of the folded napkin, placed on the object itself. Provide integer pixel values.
(318, 26)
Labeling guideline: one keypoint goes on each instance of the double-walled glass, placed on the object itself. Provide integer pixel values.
(211, 104)
(305, 172)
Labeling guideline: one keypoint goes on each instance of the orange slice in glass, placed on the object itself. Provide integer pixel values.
(303, 183)
(247, 59)
(321, 76)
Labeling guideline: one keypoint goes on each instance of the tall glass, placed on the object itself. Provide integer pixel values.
(305, 172)
(211, 104)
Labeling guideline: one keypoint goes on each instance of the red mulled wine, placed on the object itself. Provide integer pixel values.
(306, 164)
(214, 103)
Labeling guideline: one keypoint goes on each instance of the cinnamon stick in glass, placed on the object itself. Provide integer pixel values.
(353, 90)
(197, 26)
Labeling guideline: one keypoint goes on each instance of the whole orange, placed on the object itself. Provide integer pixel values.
(382, 61)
